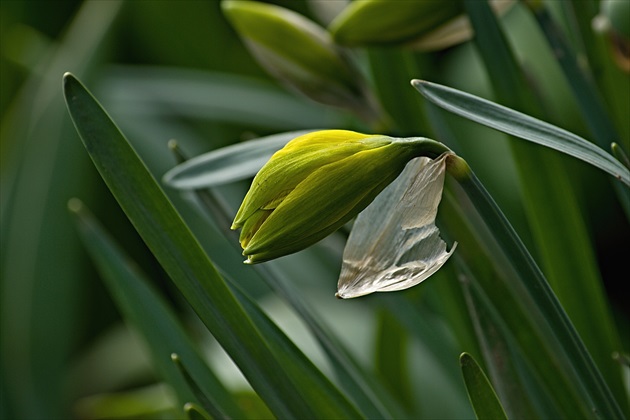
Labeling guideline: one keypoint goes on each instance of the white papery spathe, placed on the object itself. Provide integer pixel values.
(394, 243)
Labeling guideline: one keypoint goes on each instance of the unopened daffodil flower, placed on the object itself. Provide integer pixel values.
(317, 183)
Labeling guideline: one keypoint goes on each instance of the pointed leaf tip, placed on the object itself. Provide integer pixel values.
(481, 394)
(67, 79)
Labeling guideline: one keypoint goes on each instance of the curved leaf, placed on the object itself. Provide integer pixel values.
(520, 125)
(153, 319)
(290, 389)
(228, 164)
(565, 252)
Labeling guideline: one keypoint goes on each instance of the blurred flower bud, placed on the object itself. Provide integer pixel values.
(301, 55)
(391, 22)
(427, 25)
(317, 183)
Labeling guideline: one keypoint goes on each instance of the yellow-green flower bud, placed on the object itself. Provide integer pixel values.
(301, 55)
(317, 183)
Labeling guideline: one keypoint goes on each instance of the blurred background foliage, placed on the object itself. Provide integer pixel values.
(168, 69)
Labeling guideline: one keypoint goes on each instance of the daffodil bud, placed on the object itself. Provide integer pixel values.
(317, 183)
(421, 25)
(301, 55)
(370, 22)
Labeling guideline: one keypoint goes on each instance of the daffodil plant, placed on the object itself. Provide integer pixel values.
(539, 325)
(319, 181)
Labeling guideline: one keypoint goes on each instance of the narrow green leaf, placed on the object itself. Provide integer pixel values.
(153, 319)
(588, 98)
(566, 253)
(506, 323)
(283, 385)
(533, 286)
(596, 112)
(360, 386)
(286, 350)
(482, 396)
(594, 39)
(392, 68)
(420, 320)
(202, 397)
(228, 164)
(524, 392)
(520, 125)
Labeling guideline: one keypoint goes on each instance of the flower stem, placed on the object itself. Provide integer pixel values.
(535, 284)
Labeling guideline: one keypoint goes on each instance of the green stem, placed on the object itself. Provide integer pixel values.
(392, 69)
(603, 404)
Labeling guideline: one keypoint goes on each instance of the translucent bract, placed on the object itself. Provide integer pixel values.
(394, 243)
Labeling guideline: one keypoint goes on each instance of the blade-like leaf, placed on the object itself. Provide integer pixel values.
(566, 254)
(506, 323)
(532, 285)
(153, 319)
(285, 386)
(520, 125)
(482, 396)
(359, 385)
(590, 102)
(228, 164)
